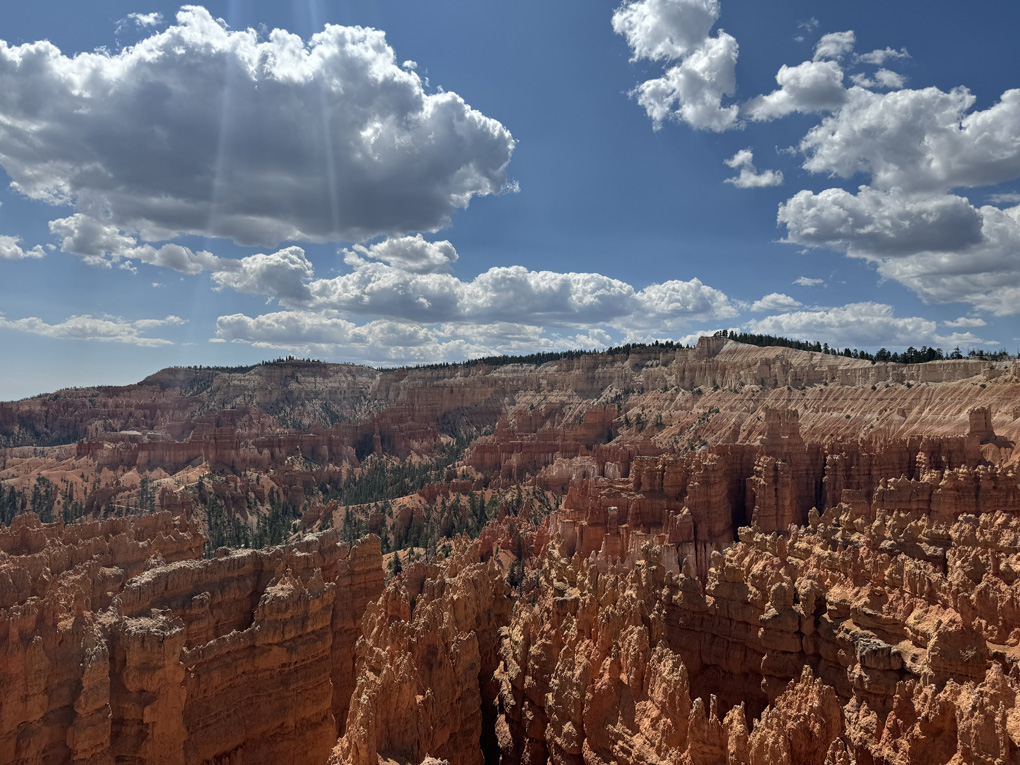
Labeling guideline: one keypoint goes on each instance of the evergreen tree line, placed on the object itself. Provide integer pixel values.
(910, 356)
(537, 359)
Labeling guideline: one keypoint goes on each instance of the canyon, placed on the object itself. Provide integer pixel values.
(655, 554)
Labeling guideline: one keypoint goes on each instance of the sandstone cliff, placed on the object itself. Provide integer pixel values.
(120, 645)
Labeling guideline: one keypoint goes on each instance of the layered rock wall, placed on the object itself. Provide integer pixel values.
(121, 645)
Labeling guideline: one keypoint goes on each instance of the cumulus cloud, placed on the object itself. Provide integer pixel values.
(203, 130)
(775, 301)
(665, 29)
(880, 224)
(918, 140)
(406, 253)
(986, 274)
(287, 329)
(674, 303)
(835, 45)
(813, 86)
(749, 177)
(99, 329)
(283, 275)
(11, 249)
(692, 90)
(103, 244)
(940, 246)
(140, 20)
(379, 312)
(860, 325)
(916, 146)
(514, 294)
(394, 342)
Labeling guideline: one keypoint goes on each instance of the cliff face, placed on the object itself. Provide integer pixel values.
(121, 645)
(425, 666)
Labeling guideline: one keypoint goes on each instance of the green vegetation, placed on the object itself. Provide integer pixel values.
(910, 356)
(380, 479)
(12, 503)
(537, 359)
(45, 500)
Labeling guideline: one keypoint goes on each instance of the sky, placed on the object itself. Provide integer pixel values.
(394, 182)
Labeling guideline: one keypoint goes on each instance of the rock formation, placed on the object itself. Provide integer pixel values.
(120, 644)
(751, 555)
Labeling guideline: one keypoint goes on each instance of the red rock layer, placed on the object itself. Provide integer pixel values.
(120, 645)
(425, 666)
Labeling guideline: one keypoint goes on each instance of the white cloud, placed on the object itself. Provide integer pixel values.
(93, 328)
(324, 139)
(775, 301)
(434, 316)
(283, 275)
(289, 328)
(879, 57)
(103, 244)
(95, 242)
(965, 321)
(1009, 199)
(808, 281)
(813, 86)
(665, 29)
(749, 177)
(516, 295)
(880, 224)
(406, 253)
(381, 341)
(835, 45)
(675, 303)
(860, 325)
(178, 258)
(11, 249)
(691, 91)
(986, 274)
(146, 19)
(882, 79)
(940, 246)
(918, 140)
(394, 342)
(915, 147)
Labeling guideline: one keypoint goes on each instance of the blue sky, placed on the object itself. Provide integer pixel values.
(402, 182)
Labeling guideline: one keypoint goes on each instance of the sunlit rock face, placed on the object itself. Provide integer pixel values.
(121, 644)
